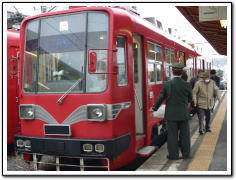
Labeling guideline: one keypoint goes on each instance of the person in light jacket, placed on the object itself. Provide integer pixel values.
(204, 92)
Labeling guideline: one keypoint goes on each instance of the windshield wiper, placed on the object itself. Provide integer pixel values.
(60, 100)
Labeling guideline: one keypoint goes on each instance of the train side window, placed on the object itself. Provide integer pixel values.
(151, 73)
(159, 63)
(168, 63)
(154, 63)
(172, 55)
(168, 58)
(159, 72)
(121, 61)
(189, 65)
(182, 57)
(151, 63)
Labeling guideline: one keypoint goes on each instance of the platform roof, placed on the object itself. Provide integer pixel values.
(210, 30)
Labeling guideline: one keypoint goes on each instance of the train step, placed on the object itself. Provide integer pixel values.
(146, 151)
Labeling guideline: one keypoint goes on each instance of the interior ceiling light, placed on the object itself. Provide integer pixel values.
(223, 23)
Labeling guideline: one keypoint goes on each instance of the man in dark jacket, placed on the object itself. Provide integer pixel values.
(177, 94)
(215, 78)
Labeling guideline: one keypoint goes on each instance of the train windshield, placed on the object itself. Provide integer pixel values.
(56, 50)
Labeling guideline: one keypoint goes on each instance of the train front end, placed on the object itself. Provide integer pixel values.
(66, 107)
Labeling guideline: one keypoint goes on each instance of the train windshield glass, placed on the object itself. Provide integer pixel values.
(56, 53)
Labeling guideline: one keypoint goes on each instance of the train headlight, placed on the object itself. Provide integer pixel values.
(87, 147)
(26, 112)
(20, 143)
(27, 143)
(96, 112)
(99, 148)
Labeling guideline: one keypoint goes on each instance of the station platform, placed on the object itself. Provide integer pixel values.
(208, 151)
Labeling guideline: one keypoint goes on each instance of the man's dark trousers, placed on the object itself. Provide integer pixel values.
(178, 129)
(201, 114)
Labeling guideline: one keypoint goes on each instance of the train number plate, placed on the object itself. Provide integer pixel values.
(57, 129)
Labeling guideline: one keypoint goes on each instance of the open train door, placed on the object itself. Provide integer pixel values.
(138, 84)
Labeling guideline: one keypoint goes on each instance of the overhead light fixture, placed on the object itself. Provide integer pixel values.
(223, 23)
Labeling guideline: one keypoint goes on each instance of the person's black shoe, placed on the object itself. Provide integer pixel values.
(208, 130)
(186, 158)
(201, 132)
(173, 158)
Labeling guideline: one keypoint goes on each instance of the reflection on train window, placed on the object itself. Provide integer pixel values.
(151, 73)
(181, 57)
(97, 82)
(55, 59)
(98, 39)
(121, 61)
(168, 72)
(190, 66)
(30, 56)
(159, 72)
(172, 55)
(154, 63)
(170, 58)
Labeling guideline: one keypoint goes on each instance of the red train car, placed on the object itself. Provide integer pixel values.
(13, 126)
(89, 77)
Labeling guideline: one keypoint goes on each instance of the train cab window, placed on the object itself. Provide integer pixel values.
(55, 53)
(30, 56)
(154, 63)
(121, 60)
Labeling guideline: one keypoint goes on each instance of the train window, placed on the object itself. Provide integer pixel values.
(172, 55)
(98, 39)
(168, 58)
(158, 53)
(159, 72)
(190, 65)
(154, 63)
(151, 73)
(30, 56)
(181, 57)
(151, 52)
(168, 72)
(58, 53)
(121, 60)
(61, 53)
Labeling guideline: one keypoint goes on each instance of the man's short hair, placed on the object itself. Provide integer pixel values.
(213, 71)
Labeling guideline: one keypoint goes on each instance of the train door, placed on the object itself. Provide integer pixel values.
(138, 83)
(12, 103)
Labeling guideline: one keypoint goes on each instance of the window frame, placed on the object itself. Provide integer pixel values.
(126, 62)
(85, 60)
(155, 62)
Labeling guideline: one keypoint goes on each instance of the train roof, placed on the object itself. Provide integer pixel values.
(155, 29)
(117, 11)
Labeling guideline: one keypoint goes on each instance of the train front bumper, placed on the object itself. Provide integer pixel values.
(73, 147)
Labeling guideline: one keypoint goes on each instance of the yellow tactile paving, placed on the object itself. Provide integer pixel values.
(203, 156)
